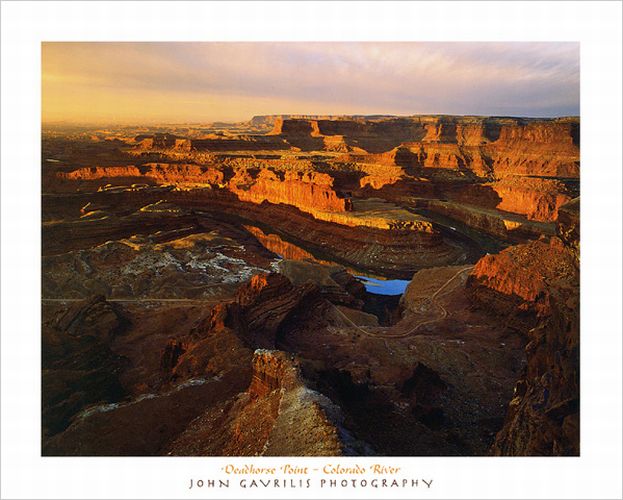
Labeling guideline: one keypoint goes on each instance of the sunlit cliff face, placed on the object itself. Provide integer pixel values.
(192, 82)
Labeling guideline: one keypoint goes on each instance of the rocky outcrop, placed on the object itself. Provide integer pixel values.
(272, 371)
(544, 415)
(308, 191)
(93, 173)
(444, 155)
(277, 416)
(508, 146)
(521, 277)
(503, 225)
(539, 283)
(335, 284)
(167, 382)
(171, 355)
(146, 425)
(261, 306)
(156, 141)
(537, 199)
(181, 174)
(545, 148)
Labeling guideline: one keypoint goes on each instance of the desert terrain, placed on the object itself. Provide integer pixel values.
(312, 285)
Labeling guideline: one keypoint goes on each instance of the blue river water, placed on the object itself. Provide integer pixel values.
(383, 287)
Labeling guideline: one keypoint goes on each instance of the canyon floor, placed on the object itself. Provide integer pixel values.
(312, 285)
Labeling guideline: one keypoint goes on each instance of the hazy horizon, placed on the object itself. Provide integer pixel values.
(128, 83)
(134, 123)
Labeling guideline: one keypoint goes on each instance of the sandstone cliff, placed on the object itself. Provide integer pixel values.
(309, 191)
(536, 287)
(535, 197)
(180, 174)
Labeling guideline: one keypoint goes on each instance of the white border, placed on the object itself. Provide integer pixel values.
(596, 474)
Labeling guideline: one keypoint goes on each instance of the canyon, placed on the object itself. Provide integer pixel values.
(301, 285)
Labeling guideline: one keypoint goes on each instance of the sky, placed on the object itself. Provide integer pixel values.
(175, 82)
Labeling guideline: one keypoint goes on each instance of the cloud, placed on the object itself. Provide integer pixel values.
(233, 81)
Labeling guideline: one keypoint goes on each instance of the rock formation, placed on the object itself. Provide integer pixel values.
(540, 280)
(309, 191)
(278, 416)
(161, 173)
(312, 285)
(262, 305)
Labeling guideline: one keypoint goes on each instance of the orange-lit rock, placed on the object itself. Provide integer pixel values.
(544, 415)
(537, 199)
(487, 146)
(94, 173)
(243, 272)
(309, 191)
(272, 370)
(161, 173)
(522, 275)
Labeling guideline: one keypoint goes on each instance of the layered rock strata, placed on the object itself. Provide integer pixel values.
(539, 284)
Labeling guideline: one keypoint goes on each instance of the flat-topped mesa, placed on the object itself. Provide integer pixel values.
(545, 148)
(295, 127)
(183, 174)
(157, 141)
(490, 147)
(347, 133)
(270, 120)
(278, 163)
(313, 193)
(497, 147)
(308, 191)
(209, 142)
(536, 198)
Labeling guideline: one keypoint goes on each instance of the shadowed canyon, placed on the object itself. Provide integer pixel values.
(312, 285)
